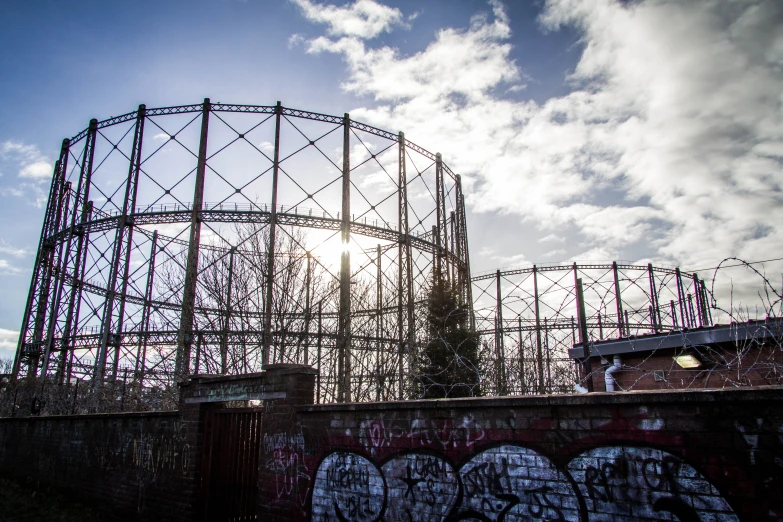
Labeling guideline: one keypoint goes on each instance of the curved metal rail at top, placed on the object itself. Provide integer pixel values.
(218, 238)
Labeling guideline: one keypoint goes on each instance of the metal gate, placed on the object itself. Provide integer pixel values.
(232, 444)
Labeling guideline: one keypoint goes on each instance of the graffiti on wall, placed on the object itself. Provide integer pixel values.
(515, 483)
(285, 458)
(377, 434)
(348, 487)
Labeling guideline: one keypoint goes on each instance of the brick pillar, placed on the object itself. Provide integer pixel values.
(281, 388)
(283, 462)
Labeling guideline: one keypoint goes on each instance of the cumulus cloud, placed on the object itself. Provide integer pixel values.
(10, 149)
(360, 19)
(7, 268)
(294, 40)
(31, 162)
(459, 63)
(8, 340)
(33, 168)
(675, 106)
(37, 170)
(6, 248)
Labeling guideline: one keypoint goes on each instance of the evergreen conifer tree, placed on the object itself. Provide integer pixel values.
(448, 366)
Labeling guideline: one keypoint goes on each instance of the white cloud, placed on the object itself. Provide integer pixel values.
(39, 170)
(552, 238)
(668, 147)
(34, 170)
(7, 269)
(502, 259)
(558, 252)
(8, 341)
(360, 19)
(6, 248)
(461, 63)
(295, 40)
(11, 191)
(17, 149)
(675, 107)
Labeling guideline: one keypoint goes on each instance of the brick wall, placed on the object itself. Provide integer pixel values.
(144, 466)
(132, 466)
(681, 455)
(751, 368)
(677, 455)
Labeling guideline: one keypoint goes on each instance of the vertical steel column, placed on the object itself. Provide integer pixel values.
(440, 217)
(111, 321)
(461, 294)
(627, 327)
(452, 249)
(583, 334)
(185, 337)
(308, 306)
(500, 368)
(139, 134)
(444, 228)
(380, 351)
(548, 359)
(75, 300)
(539, 348)
(618, 301)
(404, 260)
(699, 307)
(707, 313)
(655, 315)
(57, 263)
(141, 356)
(58, 273)
(522, 387)
(199, 341)
(584, 337)
(680, 297)
(436, 266)
(31, 334)
(227, 320)
(344, 318)
(44, 270)
(78, 260)
(379, 304)
(465, 253)
(690, 308)
(270, 254)
(318, 349)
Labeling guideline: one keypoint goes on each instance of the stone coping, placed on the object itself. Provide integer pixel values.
(645, 397)
(96, 416)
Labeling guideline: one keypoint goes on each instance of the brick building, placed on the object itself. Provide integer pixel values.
(721, 356)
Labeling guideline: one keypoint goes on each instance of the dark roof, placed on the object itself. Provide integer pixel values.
(705, 336)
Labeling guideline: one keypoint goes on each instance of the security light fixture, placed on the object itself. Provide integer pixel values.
(687, 361)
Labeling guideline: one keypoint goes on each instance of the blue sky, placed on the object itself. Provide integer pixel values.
(643, 131)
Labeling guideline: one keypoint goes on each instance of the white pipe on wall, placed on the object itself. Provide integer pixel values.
(616, 366)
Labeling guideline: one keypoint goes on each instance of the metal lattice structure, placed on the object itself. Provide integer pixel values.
(530, 317)
(217, 238)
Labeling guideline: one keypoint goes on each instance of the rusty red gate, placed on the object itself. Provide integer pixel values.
(232, 444)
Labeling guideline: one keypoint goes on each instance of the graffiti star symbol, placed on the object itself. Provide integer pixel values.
(410, 481)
